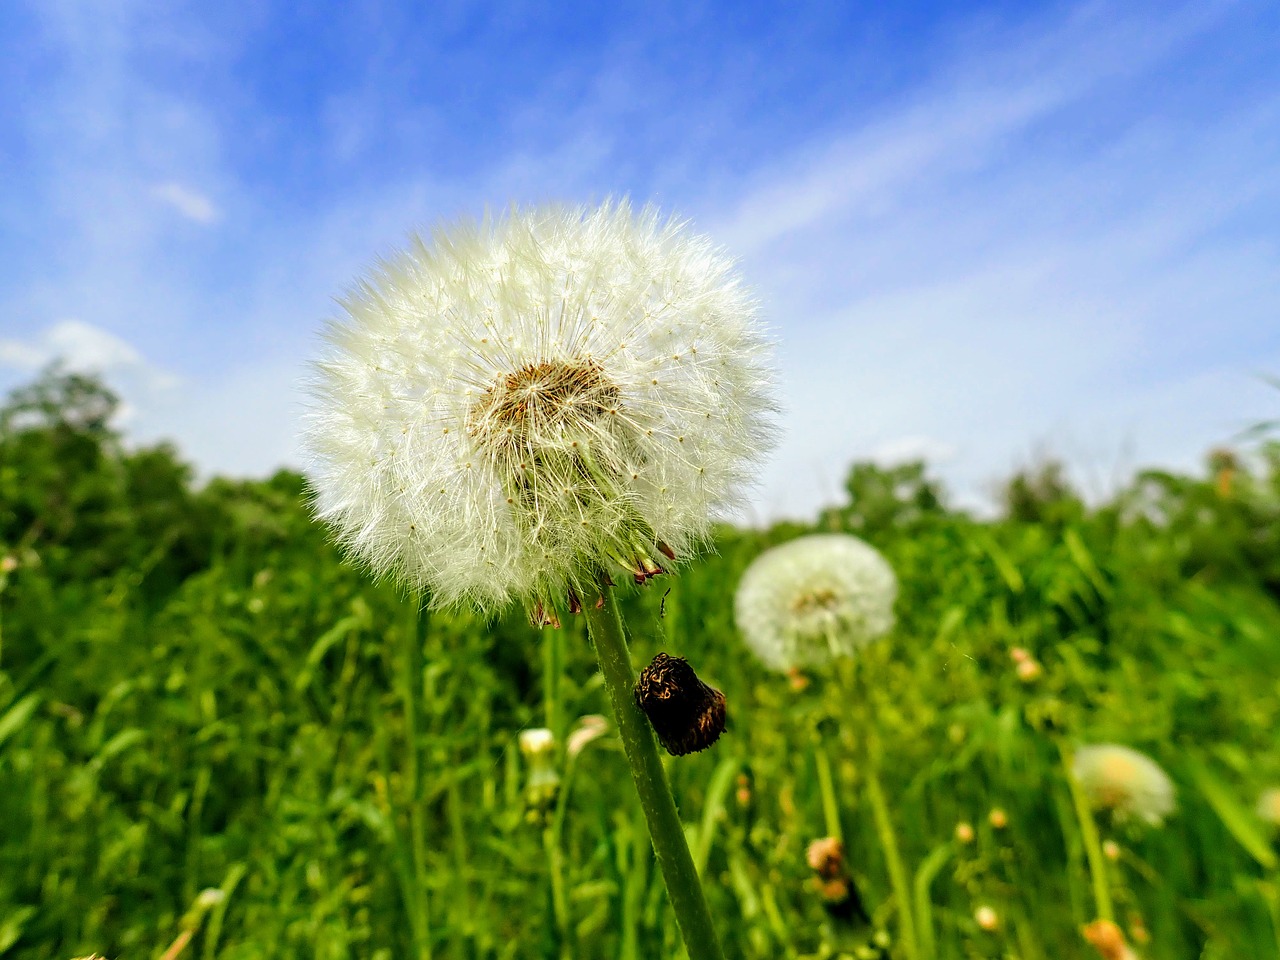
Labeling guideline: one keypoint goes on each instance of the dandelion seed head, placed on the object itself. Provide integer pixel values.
(1125, 782)
(814, 599)
(511, 405)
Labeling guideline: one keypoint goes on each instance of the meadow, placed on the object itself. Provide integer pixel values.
(218, 739)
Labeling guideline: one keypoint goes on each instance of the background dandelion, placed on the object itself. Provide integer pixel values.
(814, 599)
(1122, 781)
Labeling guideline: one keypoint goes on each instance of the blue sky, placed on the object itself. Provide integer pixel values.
(979, 232)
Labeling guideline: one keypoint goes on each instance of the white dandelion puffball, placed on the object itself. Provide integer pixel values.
(517, 406)
(806, 602)
(1125, 782)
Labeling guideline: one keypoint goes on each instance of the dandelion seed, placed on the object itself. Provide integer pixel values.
(815, 599)
(1125, 782)
(499, 415)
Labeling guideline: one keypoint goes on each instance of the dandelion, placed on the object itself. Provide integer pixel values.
(814, 599)
(1127, 783)
(523, 408)
(1269, 806)
(520, 403)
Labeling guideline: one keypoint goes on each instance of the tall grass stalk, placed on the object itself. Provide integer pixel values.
(665, 829)
(893, 859)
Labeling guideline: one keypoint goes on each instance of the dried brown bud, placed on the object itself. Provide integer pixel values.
(687, 715)
(825, 857)
(1108, 940)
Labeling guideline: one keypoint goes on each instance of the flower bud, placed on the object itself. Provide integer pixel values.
(987, 919)
(964, 832)
(1028, 670)
(543, 784)
(1107, 938)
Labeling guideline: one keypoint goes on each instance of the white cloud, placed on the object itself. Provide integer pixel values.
(939, 274)
(1000, 260)
(189, 202)
(84, 348)
(81, 347)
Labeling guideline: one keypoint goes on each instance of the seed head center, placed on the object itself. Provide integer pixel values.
(819, 600)
(541, 401)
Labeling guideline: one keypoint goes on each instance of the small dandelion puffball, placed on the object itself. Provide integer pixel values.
(808, 601)
(1125, 782)
(517, 405)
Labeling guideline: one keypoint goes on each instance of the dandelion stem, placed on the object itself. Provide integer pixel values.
(553, 833)
(665, 829)
(827, 788)
(1092, 846)
(411, 688)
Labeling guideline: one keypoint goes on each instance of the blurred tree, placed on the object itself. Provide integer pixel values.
(1042, 494)
(886, 498)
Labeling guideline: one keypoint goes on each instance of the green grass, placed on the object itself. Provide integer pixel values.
(199, 694)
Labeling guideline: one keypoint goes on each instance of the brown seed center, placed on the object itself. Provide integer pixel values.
(815, 601)
(540, 400)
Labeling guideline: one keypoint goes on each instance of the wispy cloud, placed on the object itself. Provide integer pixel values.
(188, 202)
(1061, 232)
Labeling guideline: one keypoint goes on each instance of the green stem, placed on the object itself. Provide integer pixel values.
(1092, 846)
(553, 834)
(827, 788)
(889, 844)
(412, 665)
(665, 829)
(559, 902)
(552, 671)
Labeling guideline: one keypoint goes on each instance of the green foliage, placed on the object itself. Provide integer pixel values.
(197, 693)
